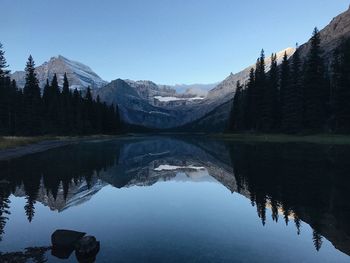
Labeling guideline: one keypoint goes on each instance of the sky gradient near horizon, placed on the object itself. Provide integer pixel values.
(166, 41)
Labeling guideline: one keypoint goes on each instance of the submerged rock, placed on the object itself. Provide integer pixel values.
(86, 249)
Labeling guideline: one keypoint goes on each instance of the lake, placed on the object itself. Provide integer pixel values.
(180, 199)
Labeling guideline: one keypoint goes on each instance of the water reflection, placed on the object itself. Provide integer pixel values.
(297, 182)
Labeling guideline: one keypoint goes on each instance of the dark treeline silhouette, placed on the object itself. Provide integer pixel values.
(300, 95)
(298, 182)
(55, 110)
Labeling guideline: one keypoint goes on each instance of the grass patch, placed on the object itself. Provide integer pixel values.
(7, 142)
(284, 138)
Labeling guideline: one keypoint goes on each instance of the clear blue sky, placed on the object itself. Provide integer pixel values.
(166, 41)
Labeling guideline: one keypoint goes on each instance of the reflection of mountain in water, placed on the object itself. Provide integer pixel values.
(78, 193)
(297, 182)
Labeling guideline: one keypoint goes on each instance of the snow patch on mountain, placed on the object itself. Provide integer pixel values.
(79, 75)
(166, 167)
(167, 99)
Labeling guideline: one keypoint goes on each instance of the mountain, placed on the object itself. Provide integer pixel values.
(163, 107)
(331, 36)
(145, 103)
(79, 75)
(228, 86)
(200, 90)
(148, 104)
(213, 121)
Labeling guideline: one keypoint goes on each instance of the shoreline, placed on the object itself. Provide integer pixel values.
(15, 147)
(36, 147)
(30, 145)
(331, 139)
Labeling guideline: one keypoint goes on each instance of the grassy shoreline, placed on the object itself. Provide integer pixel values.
(285, 138)
(8, 142)
(11, 142)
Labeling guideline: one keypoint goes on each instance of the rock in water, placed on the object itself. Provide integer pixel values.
(63, 242)
(86, 249)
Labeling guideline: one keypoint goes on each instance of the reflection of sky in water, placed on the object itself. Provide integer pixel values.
(170, 200)
(171, 222)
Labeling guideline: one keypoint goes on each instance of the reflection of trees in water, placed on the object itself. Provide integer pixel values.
(31, 254)
(295, 181)
(52, 169)
(4, 209)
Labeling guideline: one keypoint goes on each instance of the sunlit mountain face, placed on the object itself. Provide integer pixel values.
(179, 199)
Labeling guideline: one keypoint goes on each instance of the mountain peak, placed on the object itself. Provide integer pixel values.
(79, 75)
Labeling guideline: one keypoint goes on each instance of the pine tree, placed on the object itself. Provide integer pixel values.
(236, 121)
(250, 102)
(284, 82)
(4, 92)
(293, 98)
(19, 111)
(46, 107)
(4, 210)
(30, 208)
(77, 112)
(270, 98)
(32, 100)
(340, 88)
(3, 64)
(315, 88)
(260, 87)
(317, 239)
(88, 112)
(66, 107)
(12, 107)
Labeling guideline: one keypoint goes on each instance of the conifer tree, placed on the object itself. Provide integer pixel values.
(250, 102)
(315, 88)
(4, 210)
(237, 110)
(317, 239)
(260, 86)
(66, 106)
(3, 64)
(340, 88)
(32, 100)
(293, 98)
(270, 98)
(284, 82)
(4, 92)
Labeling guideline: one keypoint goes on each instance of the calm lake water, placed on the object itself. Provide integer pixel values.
(181, 199)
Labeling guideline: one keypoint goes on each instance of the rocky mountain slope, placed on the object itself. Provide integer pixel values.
(331, 37)
(228, 85)
(194, 89)
(162, 107)
(79, 75)
(147, 104)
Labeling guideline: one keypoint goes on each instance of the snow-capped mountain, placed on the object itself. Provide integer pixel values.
(79, 75)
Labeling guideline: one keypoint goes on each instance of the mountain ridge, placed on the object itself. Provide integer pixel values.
(79, 75)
